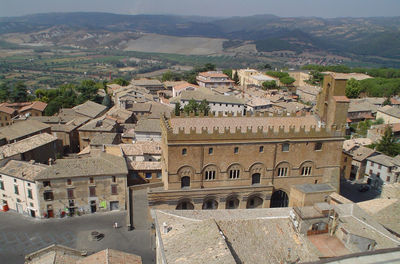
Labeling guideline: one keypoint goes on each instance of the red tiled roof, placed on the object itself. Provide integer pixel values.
(363, 116)
(215, 81)
(184, 86)
(395, 127)
(394, 101)
(342, 98)
(213, 74)
(37, 105)
(7, 110)
(17, 105)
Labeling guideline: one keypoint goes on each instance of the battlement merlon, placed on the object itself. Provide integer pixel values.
(200, 129)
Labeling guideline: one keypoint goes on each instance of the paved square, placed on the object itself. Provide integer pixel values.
(20, 235)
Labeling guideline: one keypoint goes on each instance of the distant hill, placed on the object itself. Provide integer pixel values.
(376, 36)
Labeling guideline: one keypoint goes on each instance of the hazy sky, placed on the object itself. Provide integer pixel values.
(319, 8)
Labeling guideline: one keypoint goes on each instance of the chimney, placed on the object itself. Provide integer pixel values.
(50, 161)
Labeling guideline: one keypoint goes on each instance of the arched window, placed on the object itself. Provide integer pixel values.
(210, 173)
(234, 171)
(210, 204)
(283, 169)
(232, 202)
(306, 168)
(254, 202)
(185, 205)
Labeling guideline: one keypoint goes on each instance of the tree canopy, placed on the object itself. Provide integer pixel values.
(19, 93)
(387, 144)
(120, 81)
(269, 85)
(171, 76)
(287, 80)
(196, 108)
(353, 88)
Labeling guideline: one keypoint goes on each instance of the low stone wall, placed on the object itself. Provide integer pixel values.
(146, 185)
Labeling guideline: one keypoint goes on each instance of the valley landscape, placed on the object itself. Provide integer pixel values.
(73, 46)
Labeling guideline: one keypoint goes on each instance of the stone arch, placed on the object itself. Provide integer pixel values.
(185, 204)
(256, 172)
(257, 167)
(279, 199)
(210, 172)
(282, 169)
(186, 171)
(234, 171)
(232, 202)
(185, 174)
(307, 168)
(210, 203)
(254, 201)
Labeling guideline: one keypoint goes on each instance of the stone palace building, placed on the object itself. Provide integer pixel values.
(226, 162)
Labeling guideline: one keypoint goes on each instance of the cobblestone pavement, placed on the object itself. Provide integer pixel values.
(20, 235)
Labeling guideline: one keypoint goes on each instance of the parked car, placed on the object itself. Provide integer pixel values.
(363, 188)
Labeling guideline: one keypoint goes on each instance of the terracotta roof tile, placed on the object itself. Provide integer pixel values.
(184, 85)
(144, 165)
(7, 110)
(394, 101)
(213, 74)
(37, 105)
(111, 256)
(26, 145)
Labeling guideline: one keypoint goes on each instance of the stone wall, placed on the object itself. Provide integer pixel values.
(81, 196)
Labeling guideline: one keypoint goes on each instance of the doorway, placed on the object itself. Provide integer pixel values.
(19, 208)
(93, 207)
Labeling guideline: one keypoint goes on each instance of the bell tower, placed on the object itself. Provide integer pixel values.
(333, 104)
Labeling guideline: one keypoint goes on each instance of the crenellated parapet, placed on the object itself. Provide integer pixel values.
(255, 127)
